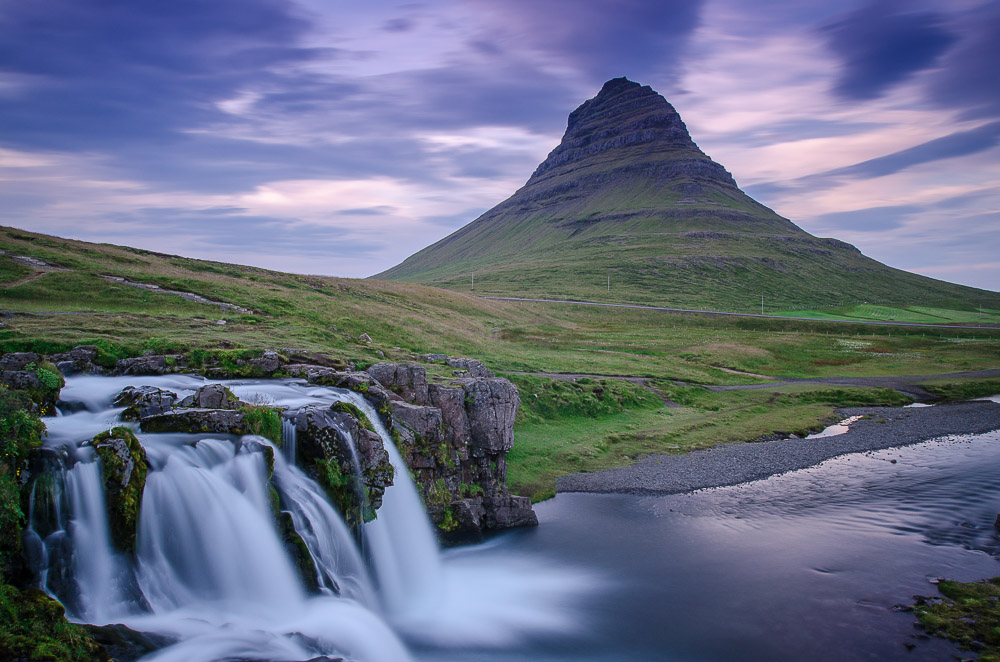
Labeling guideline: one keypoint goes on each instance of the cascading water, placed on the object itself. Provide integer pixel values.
(210, 569)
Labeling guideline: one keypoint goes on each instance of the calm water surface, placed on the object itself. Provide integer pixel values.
(804, 566)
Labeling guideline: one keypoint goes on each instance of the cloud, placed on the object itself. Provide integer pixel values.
(602, 38)
(872, 219)
(879, 46)
(968, 75)
(960, 143)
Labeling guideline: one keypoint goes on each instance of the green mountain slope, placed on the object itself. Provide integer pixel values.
(627, 195)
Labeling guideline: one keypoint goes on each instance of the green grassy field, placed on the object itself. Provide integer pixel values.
(917, 314)
(327, 315)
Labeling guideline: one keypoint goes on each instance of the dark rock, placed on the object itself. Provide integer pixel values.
(268, 364)
(123, 467)
(79, 359)
(124, 644)
(502, 512)
(417, 425)
(407, 380)
(996, 524)
(471, 368)
(20, 380)
(491, 405)
(226, 421)
(451, 401)
(153, 364)
(365, 338)
(18, 360)
(330, 444)
(142, 401)
(212, 396)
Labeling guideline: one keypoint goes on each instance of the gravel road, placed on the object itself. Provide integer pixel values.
(739, 463)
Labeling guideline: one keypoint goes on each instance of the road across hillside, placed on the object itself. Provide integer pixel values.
(716, 312)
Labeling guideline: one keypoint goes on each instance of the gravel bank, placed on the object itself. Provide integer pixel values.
(739, 463)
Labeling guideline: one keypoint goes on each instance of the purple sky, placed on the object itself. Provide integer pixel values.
(340, 137)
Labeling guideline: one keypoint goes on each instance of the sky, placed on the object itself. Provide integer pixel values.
(337, 138)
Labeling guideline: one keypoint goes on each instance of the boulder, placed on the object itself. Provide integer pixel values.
(224, 421)
(471, 368)
(407, 380)
(267, 364)
(20, 380)
(417, 425)
(123, 468)
(433, 358)
(18, 360)
(79, 359)
(151, 364)
(143, 401)
(451, 401)
(212, 396)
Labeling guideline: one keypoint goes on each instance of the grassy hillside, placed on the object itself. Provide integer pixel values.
(569, 426)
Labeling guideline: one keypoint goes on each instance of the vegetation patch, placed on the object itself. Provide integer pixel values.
(964, 390)
(33, 627)
(262, 421)
(969, 615)
(354, 411)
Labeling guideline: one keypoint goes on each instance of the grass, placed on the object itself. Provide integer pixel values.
(297, 313)
(914, 314)
(967, 389)
(589, 425)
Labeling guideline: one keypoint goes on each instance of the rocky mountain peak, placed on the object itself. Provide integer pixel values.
(626, 119)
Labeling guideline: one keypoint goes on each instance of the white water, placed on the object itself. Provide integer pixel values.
(211, 571)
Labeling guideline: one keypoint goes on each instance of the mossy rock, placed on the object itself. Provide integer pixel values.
(123, 468)
(354, 411)
(33, 627)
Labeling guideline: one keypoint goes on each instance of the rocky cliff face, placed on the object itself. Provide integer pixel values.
(455, 438)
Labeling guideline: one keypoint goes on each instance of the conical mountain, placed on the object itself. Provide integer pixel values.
(628, 195)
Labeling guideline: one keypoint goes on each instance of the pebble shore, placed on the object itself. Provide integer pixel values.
(733, 464)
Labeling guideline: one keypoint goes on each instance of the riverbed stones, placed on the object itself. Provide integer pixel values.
(142, 401)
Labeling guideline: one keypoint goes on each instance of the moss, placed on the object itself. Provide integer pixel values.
(354, 411)
(33, 627)
(969, 615)
(20, 431)
(343, 488)
(262, 421)
(123, 493)
(298, 550)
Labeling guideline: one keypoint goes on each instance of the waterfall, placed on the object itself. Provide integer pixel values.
(288, 439)
(211, 569)
(401, 539)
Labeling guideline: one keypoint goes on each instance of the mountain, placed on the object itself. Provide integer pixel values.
(628, 198)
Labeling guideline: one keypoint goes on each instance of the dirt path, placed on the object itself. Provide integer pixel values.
(26, 279)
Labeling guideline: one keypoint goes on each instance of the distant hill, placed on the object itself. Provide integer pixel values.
(628, 195)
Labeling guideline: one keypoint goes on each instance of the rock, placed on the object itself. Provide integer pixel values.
(451, 401)
(324, 447)
(268, 364)
(225, 421)
(433, 358)
(20, 380)
(996, 524)
(212, 396)
(152, 364)
(417, 425)
(491, 405)
(124, 644)
(502, 512)
(18, 360)
(471, 368)
(142, 401)
(79, 359)
(407, 380)
(123, 468)
(365, 338)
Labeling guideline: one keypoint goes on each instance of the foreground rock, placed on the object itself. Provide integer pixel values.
(123, 468)
(455, 438)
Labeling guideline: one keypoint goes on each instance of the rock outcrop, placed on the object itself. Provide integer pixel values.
(337, 447)
(123, 467)
(212, 408)
(455, 438)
